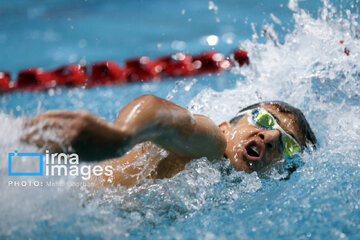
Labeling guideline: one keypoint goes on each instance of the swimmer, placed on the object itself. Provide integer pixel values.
(258, 136)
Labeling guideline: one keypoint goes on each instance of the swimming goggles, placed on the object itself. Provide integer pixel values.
(262, 118)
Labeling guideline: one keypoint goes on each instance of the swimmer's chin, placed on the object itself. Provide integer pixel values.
(241, 165)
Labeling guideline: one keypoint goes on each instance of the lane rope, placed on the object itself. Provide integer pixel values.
(141, 69)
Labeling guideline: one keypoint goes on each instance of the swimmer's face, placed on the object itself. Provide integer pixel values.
(251, 148)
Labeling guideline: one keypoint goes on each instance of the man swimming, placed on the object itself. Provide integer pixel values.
(171, 136)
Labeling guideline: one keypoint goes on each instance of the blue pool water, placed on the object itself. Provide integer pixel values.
(295, 56)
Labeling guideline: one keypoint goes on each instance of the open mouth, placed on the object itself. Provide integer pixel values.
(253, 151)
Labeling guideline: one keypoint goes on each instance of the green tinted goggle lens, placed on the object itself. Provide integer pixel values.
(265, 120)
(290, 147)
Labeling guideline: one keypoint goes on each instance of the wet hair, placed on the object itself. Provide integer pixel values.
(310, 139)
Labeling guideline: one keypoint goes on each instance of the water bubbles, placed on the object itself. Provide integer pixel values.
(275, 19)
(212, 40)
(228, 38)
(171, 94)
(254, 35)
(51, 92)
(178, 45)
(213, 7)
(293, 5)
(188, 86)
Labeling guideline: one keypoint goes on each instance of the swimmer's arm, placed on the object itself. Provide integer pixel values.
(146, 118)
(74, 131)
(149, 118)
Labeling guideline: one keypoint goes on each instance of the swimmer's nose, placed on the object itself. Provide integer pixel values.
(271, 139)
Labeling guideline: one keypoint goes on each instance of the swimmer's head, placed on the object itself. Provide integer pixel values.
(264, 133)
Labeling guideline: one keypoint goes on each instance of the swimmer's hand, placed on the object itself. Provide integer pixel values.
(75, 131)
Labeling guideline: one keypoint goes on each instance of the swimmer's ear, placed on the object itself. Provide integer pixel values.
(225, 127)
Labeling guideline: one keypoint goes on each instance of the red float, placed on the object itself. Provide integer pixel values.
(211, 62)
(347, 51)
(176, 65)
(141, 69)
(241, 57)
(4, 81)
(29, 79)
(68, 75)
(106, 72)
